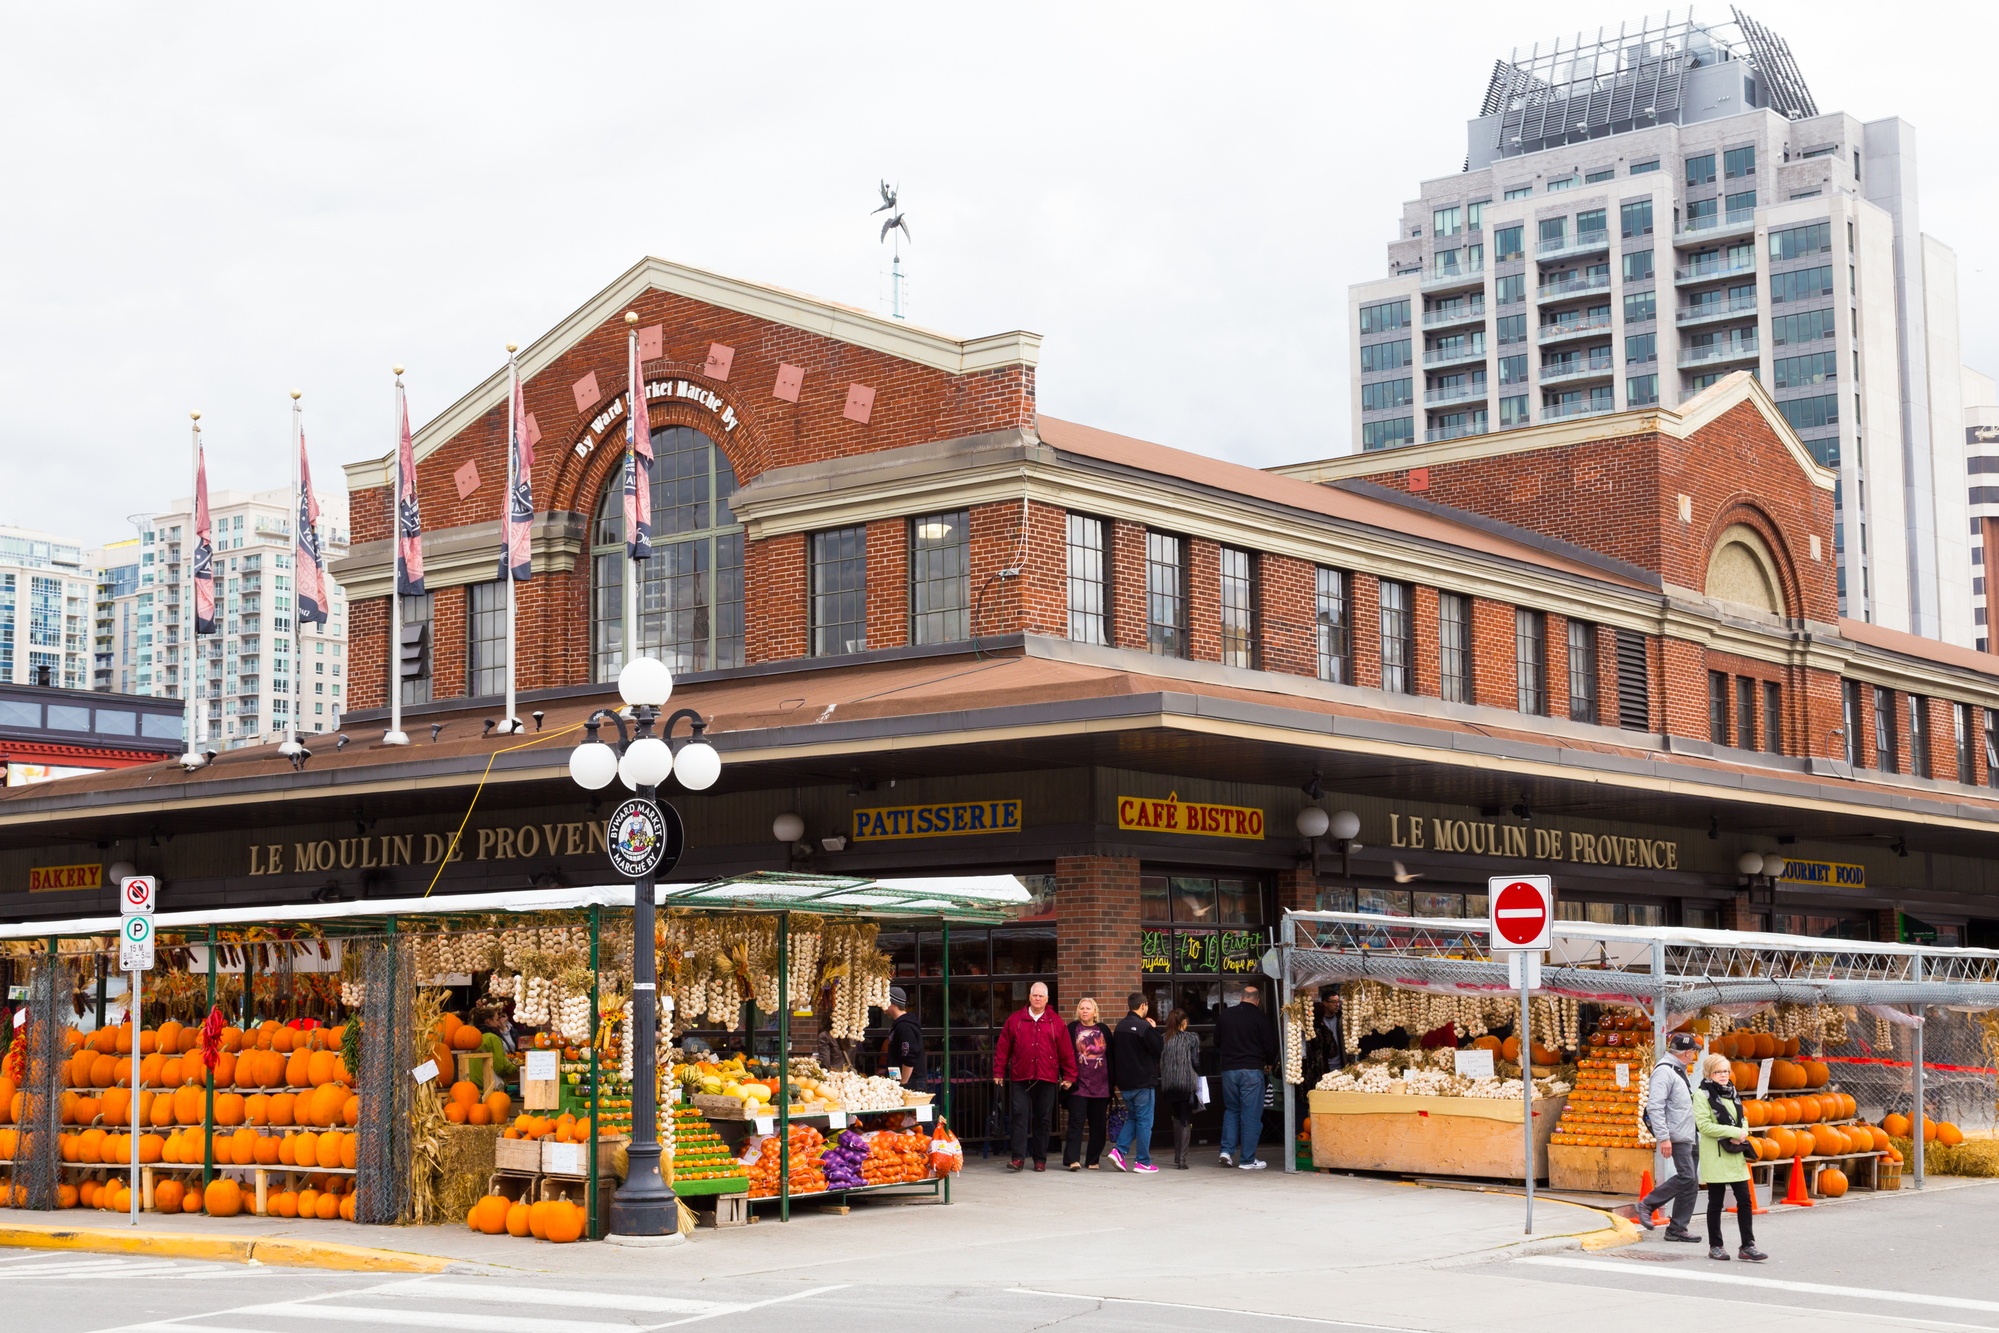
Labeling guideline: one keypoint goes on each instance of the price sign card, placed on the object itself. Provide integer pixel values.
(923, 1114)
(765, 1124)
(1475, 1063)
(836, 1120)
(542, 1065)
(424, 1072)
(1623, 1075)
(1763, 1078)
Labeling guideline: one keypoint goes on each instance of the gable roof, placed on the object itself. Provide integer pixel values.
(1677, 423)
(811, 314)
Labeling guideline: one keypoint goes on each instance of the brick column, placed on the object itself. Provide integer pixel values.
(1681, 688)
(1557, 629)
(1428, 665)
(368, 653)
(1297, 889)
(1364, 615)
(1494, 655)
(1096, 951)
(888, 583)
(1127, 577)
(1735, 913)
(1887, 925)
(1204, 599)
(1606, 676)
(1287, 590)
(447, 643)
(775, 589)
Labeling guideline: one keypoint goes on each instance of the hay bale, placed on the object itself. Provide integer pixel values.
(1975, 1157)
(464, 1166)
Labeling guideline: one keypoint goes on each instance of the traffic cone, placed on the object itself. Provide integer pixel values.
(1644, 1192)
(1795, 1195)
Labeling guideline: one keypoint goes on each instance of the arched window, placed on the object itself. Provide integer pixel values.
(691, 596)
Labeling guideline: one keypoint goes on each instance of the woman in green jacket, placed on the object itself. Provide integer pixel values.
(1724, 1139)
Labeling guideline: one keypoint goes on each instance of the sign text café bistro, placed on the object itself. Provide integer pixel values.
(933, 631)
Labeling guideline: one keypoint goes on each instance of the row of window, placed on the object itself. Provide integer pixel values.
(1878, 745)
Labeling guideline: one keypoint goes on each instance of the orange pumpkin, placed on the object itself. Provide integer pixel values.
(284, 1108)
(329, 1149)
(308, 1202)
(1948, 1134)
(565, 1222)
(167, 1195)
(328, 1207)
(347, 1207)
(191, 1201)
(455, 1113)
(285, 1203)
(1896, 1124)
(298, 1070)
(223, 1197)
(479, 1114)
(465, 1093)
(499, 1106)
(350, 1110)
(465, 1038)
(305, 1148)
(538, 1219)
(489, 1215)
(319, 1067)
(1832, 1182)
(267, 1150)
(517, 1219)
(65, 1195)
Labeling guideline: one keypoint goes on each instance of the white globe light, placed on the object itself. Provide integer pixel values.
(1773, 866)
(645, 680)
(647, 763)
(698, 765)
(1750, 863)
(1345, 825)
(1313, 822)
(593, 764)
(787, 828)
(121, 871)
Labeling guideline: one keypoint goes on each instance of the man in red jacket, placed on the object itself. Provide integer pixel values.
(1035, 1052)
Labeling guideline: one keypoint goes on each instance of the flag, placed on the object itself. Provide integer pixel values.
(204, 549)
(409, 523)
(516, 550)
(311, 569)
(638, 464)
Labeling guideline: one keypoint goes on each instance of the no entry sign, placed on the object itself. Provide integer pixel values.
(1522, 911)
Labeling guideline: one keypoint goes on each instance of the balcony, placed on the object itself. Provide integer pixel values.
(1436, 279)
(1571, 328)
(1714, 270)
(1575, 285)
(1735, 222)
(1719, 354)
(1712, 312)
(1457, 393)
(1458, 432)
(1582, 407)
(1599, 366)
(1583, 243)
(1453, 356)
(1457, 312)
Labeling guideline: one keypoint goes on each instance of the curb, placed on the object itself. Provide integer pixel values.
(224, 1249)
(1622, 1231)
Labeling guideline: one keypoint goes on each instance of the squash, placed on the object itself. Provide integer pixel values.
(538, 1219)
(517, 1218)
(465, 1038)
(308, 1202)
(191, 1201)
(498, 1106)
(284, 1108)
(285, 1203)
(565, 1222)
(167, 1195)
(327, 1100)
(1896, 1124)
(319, 1067)
(223, 1197)
(328, 1207)
(1949, 1135)
(465, 1093)
(477, 1114)
(489, 1215)
(1832, 1182)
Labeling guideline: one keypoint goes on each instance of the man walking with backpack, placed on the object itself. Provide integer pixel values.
(1669, 1113)
(1135, 1047)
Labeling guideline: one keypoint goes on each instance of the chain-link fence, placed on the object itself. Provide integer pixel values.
(38, 1155)
(388, 988)
(1960, 1081)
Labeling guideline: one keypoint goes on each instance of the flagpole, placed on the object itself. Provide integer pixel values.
(395, 734)
(511, 723)
(298, 542)
(190, 760)
(635, 396)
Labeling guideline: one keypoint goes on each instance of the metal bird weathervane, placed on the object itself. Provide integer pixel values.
(895, 222)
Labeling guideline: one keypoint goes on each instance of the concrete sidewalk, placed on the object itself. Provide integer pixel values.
(1203, 1224)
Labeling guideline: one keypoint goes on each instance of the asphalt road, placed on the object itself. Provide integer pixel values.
(62, 1293)
(1890, 1261)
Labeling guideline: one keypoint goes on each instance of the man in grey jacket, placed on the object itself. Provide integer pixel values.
(1669, 1111)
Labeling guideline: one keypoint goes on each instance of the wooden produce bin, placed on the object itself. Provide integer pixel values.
(1599, 1170)
(1437, 1136)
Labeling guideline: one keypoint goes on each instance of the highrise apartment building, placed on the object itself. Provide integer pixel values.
(1639, 216)
(115, 646)
(46, 592)
(244, 672)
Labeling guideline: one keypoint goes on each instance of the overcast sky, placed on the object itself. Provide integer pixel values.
(206, 206)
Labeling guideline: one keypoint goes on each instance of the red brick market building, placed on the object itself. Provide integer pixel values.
(1609, 647)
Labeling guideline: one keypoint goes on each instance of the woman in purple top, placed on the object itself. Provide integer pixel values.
(1090, 1102)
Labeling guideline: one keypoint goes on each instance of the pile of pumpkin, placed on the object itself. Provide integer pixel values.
(556, 1220)
(464, 1106)
(564, 1128)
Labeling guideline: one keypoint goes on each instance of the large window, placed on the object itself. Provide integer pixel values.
(1773, 717)
(1700, 170)
(1507, 244)
(940, 564)
(690, 592)
(1398, 640)
(1381, 318)
(1738, 162)
(1238, 608)
(1636, 218)
(1454, 647)
(1919, 736)
(1165, 595)
(1382, 395)
(1582, 672)
(1530, 654)
(1384, 356)
(1810, 326)
(1797, 242)
(839, 591)
(1793, 372)
(486, 638)
(1960, 719)
(1089, 619)
(1801, 284)
(1387, 434)
(1717, 707)
(1335, 631)
(1884, 730)
(1745, 712)
(1850, 720)
(1811, 413)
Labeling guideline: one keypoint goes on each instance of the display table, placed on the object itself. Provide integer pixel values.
(1599, 1170)
(1438, 1136)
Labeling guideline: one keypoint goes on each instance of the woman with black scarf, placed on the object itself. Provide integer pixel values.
(1724, 1138)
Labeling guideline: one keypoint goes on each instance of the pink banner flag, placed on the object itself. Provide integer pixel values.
(311, 569)
(409, 522)
(517, 519)
(204, 550)
(638, 463)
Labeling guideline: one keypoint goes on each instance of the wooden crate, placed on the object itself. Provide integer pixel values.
(514, 1186)
(476, 1067)
(1441, 1136)
(732, 1210)
(1600, 1170)
(572, 1160)
(578, 1193)
(518, 1155)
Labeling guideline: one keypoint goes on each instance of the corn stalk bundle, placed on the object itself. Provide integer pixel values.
(426, 1116)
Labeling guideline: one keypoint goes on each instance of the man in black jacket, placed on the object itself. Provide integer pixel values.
(902, 1053)
(1245, 1045)
(1135, 1047)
